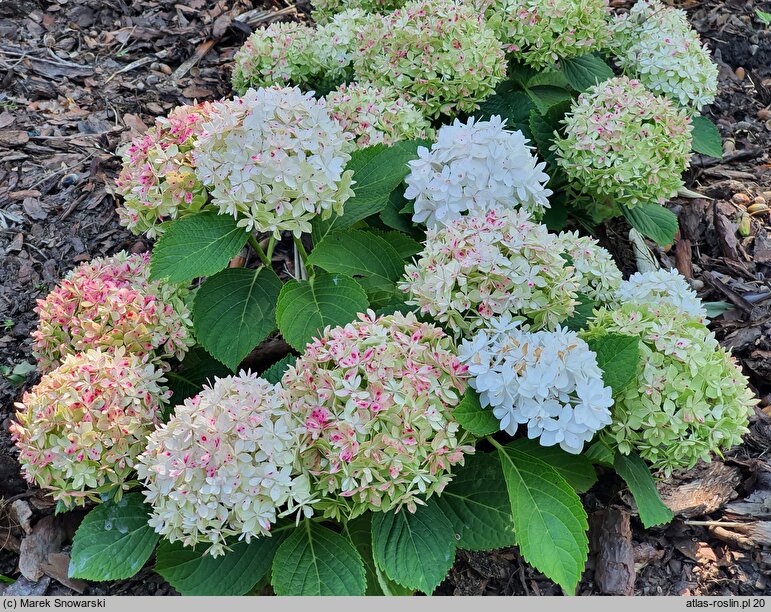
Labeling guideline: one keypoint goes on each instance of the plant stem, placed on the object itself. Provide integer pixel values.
(300, 248)
(492, 441)
(271, 246)
(257, 249)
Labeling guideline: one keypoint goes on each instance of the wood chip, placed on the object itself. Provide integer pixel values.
(47, 537)
(702, 490)
(611, 541)
(13, 138)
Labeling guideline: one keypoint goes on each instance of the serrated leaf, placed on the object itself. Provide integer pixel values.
(275, 372)
(405, 246)
(600, 453)
(197, 369)
(555, 78)
(305, 308)
(477, 505)
(582, 313)
(618, 357)
(198, 245)
(234, 311)
(577, 470)
(585, 71)
(638, 478)
(543, 128)
(392, 215)
(473, 418)
(414, 550)
(706, 137)
(549, 521)
(191, 572)
(513, 106)
(114, 540)
(315, 561)
(546, 96)
(653, 221)
(359, 532)
(377, 170)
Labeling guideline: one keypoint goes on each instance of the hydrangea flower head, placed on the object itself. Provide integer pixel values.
(626, 144)
(547, 379)
(80, 430)
(598, 275)
(474, 167)
(688, 400)
(662, 287)
(282, 53)
(374, 402)
(377, 115)
(158, 180)
(440, 53)
(479, 267)
(324, 10)
(275, 159)
(337, 42)
(108, 303)
(656, 44)
(540, 32)
(222, 465)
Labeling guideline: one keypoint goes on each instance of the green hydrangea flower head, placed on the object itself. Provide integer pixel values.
(625, 144)
(324, 10)
(689, 398)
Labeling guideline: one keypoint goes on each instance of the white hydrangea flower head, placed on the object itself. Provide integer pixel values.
(473, 167)
(662, 287)
(377, 115)
(275, 159)
(598, 275)
(336, 42)
(549, 380)
(222, 466)
(479, 267)
(283, 53)
(325, 10)
(440, 53)
(656, 44)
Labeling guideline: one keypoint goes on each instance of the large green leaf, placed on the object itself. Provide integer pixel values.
(706, 137)
(198, 245)
(653, 221)
(192, 572)
(392, 215)
(618, 356)
(305, 308)
(315, 560)
(377, 171)
(638, 478)
(577, 470)
(546, 96)
(114, 541)
(477, 505)
(581, 315)
(197, 369)
(585, 71)
(234, 311)
(473, 418)
(550, 523)
(544, 127)
(414, 550)
(275, 372)
(359, 532)
(513, 106)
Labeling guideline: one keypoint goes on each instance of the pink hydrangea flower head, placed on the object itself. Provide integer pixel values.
(374, 402)
(158, 181)
(108, 303)
(80, 430)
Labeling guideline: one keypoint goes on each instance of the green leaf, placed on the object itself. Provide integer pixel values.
(305, 308)
(114, 541)
(392, 215)
(234, 311)
(477, 505)
(549, 521)
(193, 373)
(600, 453)
(405, 246)
(192, 572)
(618, 357)
(198, 245)
(275, 372)
(359, 532)
(555, 218)
(555, 78)
(513, 106)
(315, 560)
(377, 170)
(473, 418)
(585, 71)
(543, 128)
(638, 478)
(653, 221)
(414, 550)
(577, 470)
(546, 96)
(582, 313)
(706, 137)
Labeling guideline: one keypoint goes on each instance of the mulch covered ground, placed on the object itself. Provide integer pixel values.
(77, 79)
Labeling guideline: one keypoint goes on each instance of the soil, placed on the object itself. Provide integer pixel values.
(77, 79)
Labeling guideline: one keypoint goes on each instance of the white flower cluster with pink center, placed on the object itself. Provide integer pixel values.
(472, 167)
(274, 159)
(80, 430)
(109, 303)
(598, 275)
(549, 380)
(374, 402)
(222, 465)
(661, 287)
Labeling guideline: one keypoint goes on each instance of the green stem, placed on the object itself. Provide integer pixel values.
(301, 249)
(258, 249)
(497, 445)
(271, 246)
